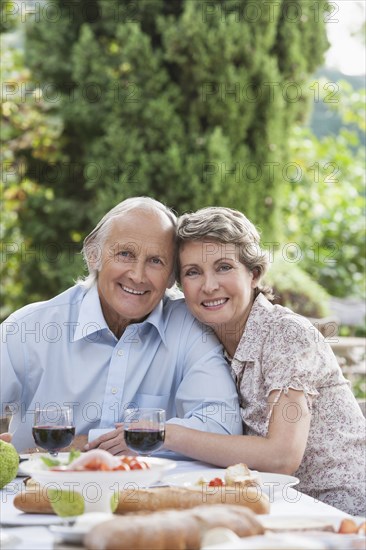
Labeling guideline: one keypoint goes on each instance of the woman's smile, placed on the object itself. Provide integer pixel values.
(215, 282)
(215, 304)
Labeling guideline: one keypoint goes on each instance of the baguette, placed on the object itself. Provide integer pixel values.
(165, 498)
(171, 529)
(34, 500)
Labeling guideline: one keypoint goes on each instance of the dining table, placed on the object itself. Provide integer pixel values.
(25, 531)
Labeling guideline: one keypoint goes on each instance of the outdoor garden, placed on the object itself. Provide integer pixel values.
(193, 103)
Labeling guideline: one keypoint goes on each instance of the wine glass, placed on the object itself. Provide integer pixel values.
(144, 430)
(53, 428)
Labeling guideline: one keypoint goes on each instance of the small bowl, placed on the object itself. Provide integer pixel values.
(97, 487)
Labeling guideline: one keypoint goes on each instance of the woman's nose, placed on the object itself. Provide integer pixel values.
(210, 283)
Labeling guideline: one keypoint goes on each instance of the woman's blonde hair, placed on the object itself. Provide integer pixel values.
(225, 225)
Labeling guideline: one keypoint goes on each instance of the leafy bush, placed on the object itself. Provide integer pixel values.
(325, 202)
(294, 288)
(185, 101)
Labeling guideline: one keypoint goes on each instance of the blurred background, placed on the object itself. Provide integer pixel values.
(256, 105)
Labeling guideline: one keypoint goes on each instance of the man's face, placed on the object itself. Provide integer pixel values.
(137, 262)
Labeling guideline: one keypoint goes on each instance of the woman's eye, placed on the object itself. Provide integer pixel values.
(156, 261)
(225, 267)
(190, 273)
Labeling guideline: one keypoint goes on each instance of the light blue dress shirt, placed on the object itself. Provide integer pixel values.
(62, 352)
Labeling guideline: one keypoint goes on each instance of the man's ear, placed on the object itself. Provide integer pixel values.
(93, 257)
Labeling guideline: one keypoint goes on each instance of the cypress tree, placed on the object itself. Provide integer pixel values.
(190, 102)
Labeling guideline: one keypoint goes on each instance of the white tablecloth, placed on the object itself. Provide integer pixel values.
(32, 536)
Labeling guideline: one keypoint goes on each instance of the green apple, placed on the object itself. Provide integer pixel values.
(66, 503)
(9, 462)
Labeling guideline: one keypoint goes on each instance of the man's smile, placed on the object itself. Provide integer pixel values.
(132, 291)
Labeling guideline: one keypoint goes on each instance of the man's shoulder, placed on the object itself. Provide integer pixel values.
(179, 320)
(174, 306)
(65, 299)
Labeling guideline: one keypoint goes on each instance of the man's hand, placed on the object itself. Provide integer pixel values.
(78, 443)
(112, 441)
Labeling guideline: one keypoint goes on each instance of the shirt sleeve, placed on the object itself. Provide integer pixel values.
(13, 373)
(206, 398)
(97, 432)
(294, 358)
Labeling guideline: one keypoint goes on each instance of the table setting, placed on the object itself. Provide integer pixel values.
(95, 500)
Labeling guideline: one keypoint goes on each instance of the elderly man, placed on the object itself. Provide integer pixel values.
(116, 340)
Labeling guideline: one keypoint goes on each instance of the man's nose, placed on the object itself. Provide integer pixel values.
(137, 271)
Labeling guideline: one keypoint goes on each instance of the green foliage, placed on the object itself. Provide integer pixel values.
(190, 102)
(295, 289)
(38, 252)
(325, 214)
(7, 16)
(359, 386)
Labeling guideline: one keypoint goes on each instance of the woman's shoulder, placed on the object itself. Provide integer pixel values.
(269, 319)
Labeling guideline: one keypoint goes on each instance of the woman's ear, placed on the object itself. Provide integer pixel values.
(256, 276)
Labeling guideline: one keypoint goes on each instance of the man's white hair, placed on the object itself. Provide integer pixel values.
(94, 242)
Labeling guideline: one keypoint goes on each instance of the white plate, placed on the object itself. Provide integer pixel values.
(82, 526)
(269, 482)
(26, 457)
(97, 487)
(8, 540)
(69, 534)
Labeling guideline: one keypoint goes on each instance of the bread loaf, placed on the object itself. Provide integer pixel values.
(165, 498)
(239, 474)
(34, 500)
(170, 529)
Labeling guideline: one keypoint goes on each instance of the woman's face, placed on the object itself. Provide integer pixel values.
(218, 288)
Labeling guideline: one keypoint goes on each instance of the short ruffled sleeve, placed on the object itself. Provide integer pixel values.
(294, 357)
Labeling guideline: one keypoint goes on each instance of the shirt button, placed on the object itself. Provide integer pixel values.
(120, 352)
(114, 391)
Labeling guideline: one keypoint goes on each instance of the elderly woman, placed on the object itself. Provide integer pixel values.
(298, 411)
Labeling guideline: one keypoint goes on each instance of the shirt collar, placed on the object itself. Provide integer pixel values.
(156, 319)
(256, 327)
(91, 318)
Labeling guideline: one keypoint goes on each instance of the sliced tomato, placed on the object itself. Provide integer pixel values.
(96, 464)
(138, 465)
(216, 482)
(123, 466)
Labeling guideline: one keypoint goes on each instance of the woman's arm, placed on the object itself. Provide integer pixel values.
(280, 452)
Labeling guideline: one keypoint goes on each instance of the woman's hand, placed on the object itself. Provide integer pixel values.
(6, 436)
(281, 451)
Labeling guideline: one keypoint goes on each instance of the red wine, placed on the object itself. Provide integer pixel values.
(144, 441)
(53, 438)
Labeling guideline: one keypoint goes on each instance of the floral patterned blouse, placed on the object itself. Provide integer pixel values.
(280, 350)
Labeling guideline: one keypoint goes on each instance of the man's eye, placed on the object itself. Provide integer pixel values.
(124, 253)
(156, 261)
